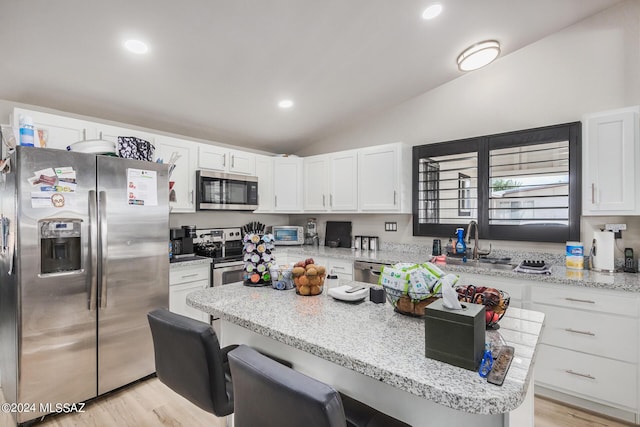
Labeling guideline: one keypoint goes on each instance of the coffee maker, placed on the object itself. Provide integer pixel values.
(181, 241)
(311, 233)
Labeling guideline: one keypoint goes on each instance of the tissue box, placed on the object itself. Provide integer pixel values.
(456, 337)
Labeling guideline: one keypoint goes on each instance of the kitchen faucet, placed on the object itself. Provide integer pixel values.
(476, 250)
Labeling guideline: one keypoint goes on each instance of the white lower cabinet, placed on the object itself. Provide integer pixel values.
(182, 281)
(591, 377)
(589, 347)
(343, 268)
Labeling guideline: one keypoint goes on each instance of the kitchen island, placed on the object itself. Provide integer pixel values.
(376, 355)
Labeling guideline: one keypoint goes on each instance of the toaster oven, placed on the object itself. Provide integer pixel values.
(287, 234)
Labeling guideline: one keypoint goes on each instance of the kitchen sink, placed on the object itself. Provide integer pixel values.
(483, 263)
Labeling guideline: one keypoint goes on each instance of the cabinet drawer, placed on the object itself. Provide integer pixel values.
(178, 299)
(590, 332)
(340, 266)
(588, 376)
(625, 304)
(189, 274)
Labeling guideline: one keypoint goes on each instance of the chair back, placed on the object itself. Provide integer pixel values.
(190, 362)
(268, 393)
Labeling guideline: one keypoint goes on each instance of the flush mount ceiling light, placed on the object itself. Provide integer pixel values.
(136, 46)
(432, 11)
(285, 103)
(478, 55)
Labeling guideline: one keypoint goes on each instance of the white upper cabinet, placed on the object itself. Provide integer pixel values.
(226, 160)
(264, 172)
(182, 195)
(343, 181)
(111, 133)
(610, 155)
(287, 184)
(316, 183)
(59, 131)
(384, 178)
(331, 182)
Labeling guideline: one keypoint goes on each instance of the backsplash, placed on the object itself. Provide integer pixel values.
(403, 240)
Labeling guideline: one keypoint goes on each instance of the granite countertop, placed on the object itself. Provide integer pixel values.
(188, 261)
(377, 342)
(628, 282)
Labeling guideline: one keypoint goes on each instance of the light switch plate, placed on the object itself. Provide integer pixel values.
(390, 226)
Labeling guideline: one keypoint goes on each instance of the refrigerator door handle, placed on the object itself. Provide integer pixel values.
(93, 249)
(102, 218)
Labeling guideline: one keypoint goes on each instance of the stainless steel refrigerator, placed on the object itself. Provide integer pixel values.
(84, 258)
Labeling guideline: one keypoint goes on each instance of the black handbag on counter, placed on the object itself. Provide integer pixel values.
(130, 147)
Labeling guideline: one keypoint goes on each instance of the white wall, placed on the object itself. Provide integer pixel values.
(591, 66)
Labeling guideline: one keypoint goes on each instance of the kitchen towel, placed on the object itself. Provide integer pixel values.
(130, 147)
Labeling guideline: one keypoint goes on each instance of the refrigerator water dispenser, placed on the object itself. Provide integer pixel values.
(60, 245)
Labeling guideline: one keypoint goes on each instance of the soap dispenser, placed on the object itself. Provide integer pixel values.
(461, 246)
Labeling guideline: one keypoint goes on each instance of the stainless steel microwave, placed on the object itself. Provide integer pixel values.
(287, 234)
(225, 191)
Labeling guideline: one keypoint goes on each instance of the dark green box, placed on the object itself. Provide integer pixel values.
(456, 337)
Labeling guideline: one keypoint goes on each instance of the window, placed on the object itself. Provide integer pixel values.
(522, 185)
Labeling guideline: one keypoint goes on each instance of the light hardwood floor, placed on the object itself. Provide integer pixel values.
(549, 413)
(150, 403)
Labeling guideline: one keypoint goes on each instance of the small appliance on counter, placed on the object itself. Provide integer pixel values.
(287, 234)
(366, 243)
(338, 234)
(602, 251)
(181, 244)
(311, 233)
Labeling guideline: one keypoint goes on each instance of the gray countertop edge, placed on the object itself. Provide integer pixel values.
(190, 262)
(473, 396)
(626, 282)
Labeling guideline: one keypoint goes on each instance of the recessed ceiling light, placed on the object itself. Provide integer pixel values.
(432, 11)
(136, 46)
(285, 103)
(478, 55)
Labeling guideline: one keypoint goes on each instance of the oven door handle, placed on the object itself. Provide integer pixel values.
(226, 266)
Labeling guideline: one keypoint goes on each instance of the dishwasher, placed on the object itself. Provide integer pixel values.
(368, 272)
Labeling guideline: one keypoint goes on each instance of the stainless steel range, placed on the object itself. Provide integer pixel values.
(224, 245)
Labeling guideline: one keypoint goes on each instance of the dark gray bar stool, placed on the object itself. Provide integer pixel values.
(268, 394)
(189, 361)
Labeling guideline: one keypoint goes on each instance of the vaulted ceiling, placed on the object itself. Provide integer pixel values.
(217, 69)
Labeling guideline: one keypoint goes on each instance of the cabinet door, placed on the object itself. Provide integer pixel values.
(343, 181)
(315, 183)
(242, 162)
(287, 184)
(59, 131)
(264, 172)
(182, 196)
(111, 133)
(609, 162)
(178, 299)
(378, 178)
(342, 268)
(212, 157)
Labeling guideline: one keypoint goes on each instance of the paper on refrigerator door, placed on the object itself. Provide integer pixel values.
(142, 187)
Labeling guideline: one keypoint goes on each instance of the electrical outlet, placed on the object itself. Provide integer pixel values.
(390, 226)
(615, 227)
